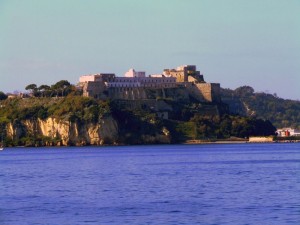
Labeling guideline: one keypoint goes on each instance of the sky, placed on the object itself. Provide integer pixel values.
(232, 42)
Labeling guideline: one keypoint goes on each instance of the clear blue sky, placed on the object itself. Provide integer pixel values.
(232, 42)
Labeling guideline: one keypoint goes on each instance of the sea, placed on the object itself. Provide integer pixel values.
(209, 184)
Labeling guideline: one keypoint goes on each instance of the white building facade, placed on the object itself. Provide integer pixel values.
(132, 73)
(96, 83)
(287, 132)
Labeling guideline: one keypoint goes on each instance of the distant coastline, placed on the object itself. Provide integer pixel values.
(174, 107)
(237, 142)
(187, 142)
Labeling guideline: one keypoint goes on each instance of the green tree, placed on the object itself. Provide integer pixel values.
(280, 112)
(33, 89)
(44, 89)
(61, 86)
(244, 91)
(2, 96)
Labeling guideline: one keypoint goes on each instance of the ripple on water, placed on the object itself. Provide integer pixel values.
(180, 184)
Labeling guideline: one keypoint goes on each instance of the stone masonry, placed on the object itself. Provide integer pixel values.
(136, 86)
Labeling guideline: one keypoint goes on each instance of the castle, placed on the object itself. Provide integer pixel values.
(180, 83)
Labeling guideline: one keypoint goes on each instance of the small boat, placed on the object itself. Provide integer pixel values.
(1, 148)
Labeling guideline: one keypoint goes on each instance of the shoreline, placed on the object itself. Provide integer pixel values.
(191, 142)
(195, 142)
(188, 142)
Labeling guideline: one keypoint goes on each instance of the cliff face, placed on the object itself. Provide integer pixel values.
(65, 132)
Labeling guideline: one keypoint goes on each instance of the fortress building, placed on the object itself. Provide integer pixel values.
(183, 82)
(133, 73)
(186, 73)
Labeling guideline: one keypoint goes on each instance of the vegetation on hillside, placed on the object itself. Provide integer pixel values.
(70, 108)
(281, 112)
(59, 89)
(139, 126)
(136, 124)
(2, 96)
(215, 127)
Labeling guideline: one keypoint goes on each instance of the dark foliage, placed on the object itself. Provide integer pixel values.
(280, 112)
(2, 96)
(187, 119)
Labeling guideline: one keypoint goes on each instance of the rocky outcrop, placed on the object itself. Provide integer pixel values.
(66, 132)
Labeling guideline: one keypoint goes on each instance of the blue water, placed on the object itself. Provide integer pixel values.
(166, 184)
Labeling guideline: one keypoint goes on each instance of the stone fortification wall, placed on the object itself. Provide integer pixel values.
(129, 93)
(216, 92)
(180, 76)
(137, 86)
(205, 92)
(95, 89)
(177, 94)
(185, 73)
(139, 93)
(196, 79)
(146, 82)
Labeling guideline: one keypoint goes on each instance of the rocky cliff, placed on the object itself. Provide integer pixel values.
(58, 132)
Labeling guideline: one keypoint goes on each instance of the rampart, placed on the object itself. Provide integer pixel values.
(204, 92)
(185, 80)
(127, 93)
(95, 89)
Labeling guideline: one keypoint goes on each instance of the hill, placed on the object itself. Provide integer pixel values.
(60, 115)
(78, 120)
(245, 101)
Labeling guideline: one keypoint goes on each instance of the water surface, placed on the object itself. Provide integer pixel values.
(163, 184)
